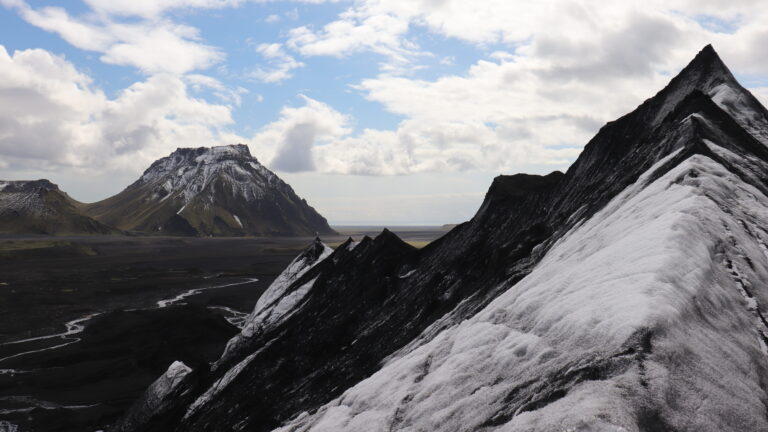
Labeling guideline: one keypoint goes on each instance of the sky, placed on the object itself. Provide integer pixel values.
(396, 112)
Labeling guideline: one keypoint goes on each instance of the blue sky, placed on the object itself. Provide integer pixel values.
(408, 108)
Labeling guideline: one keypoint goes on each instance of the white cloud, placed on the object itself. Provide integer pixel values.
(224, 93)
(51, 116)
(291, 141)
(157, 46)
(273, 18)
(279, 64)
(378, 33)
(551, 73)
(316, 137)
(155, 8)
(564, 69)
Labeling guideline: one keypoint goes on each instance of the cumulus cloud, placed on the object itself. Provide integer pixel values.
(153, 46)
(279, 64)
(550, 74)
(154, 8)
(52, 115)
(290, 142)
(555, 72)
(354, 33)
(232, 96)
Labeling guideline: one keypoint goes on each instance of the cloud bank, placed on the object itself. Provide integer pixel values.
(547, 75)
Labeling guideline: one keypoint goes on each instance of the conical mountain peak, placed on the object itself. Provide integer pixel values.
(211, 191)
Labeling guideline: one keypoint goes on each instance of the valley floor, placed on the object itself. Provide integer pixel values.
(86, 323)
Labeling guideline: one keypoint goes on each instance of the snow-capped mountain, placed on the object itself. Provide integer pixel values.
(627, 294)
(210, 191)
(40, 207)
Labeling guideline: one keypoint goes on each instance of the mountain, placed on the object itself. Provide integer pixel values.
(216, 191)
(40, 207)
(625, 294)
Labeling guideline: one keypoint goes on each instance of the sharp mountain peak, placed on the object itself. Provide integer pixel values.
(580, 300)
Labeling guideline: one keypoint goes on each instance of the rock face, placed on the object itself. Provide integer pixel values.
(626, 294)
(216, 191)
(40, 207)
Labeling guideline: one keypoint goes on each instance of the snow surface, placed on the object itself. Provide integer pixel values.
(277, 302)
(654, 261)
(159, 391)
(169, 380)
(739, 105)
(237, 219)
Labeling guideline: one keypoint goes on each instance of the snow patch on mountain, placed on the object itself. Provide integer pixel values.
(26, 197)
(28, 202)
(635, 313)
(188, 173)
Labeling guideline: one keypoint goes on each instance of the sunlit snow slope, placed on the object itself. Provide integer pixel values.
(627, 294)
(648, 313)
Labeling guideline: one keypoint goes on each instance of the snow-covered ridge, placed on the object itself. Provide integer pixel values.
(158, 396)
(643, 310)
(279, 300)
(169, 380)
(741, 106)
(219, 385)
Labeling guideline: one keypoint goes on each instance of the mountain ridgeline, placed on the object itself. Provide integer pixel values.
(216, 191)
(625, 294)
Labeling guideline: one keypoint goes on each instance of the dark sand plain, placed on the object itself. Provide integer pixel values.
(84, 380)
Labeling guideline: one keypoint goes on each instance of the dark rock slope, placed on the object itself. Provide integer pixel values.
(216, 191)
(625, 294)
(40, 207)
